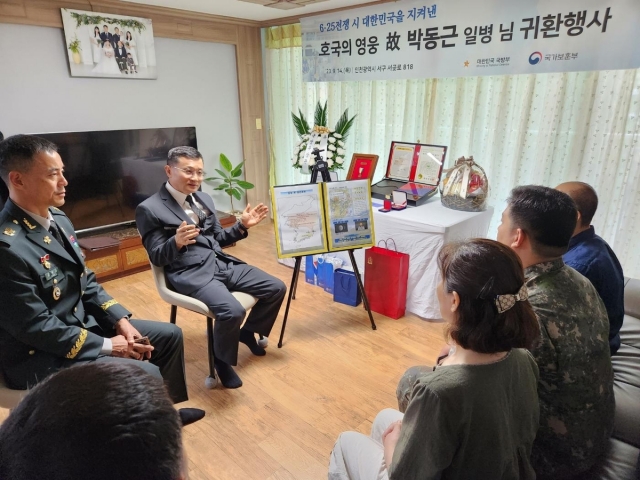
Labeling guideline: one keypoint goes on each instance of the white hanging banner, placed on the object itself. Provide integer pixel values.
(460, 38)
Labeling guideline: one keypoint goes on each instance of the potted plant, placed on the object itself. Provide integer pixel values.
(231, 182)
(75, 51)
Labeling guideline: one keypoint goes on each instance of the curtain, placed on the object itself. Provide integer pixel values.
(522, 129)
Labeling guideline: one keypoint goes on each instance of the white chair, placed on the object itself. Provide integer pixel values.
(10, 398)
(178, 300)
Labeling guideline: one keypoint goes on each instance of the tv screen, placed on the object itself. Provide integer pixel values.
(111, 172)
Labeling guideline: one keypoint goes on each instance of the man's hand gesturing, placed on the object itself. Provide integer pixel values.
(186, 234)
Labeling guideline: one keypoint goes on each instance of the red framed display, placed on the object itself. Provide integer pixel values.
(413, 168)
(362, 167)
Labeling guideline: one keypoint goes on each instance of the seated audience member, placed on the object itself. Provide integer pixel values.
(475, 415)
(590, 255)
(181, 233)
(53, 312)
(576, 377)
(98, 421)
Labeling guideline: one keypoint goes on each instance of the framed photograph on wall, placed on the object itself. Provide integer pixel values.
(362, 167)
(109, 45)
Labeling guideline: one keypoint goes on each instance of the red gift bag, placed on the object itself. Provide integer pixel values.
(385, 280)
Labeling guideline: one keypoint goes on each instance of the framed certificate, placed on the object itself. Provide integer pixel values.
(362, 167)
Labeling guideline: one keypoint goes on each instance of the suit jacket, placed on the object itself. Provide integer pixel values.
(193, 266)
(121, 55)
(106, 37)
(52, 309)
(115, 38)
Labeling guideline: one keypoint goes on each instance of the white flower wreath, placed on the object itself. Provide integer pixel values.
(332, 139)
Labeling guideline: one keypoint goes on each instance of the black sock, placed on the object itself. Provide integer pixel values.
(249, 339)
(228, 376)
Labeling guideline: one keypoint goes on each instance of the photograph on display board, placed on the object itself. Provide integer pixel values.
(362, 166)
(298, 213)
(108, 45)
(349, 215)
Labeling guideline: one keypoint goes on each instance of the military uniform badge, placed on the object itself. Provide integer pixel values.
(9, 231)
(44, 260)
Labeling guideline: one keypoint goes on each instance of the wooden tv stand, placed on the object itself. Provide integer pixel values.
(129, 255)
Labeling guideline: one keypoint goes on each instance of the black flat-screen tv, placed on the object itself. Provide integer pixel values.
(111, 172)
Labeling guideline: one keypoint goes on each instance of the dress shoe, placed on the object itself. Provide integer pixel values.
(190, 415)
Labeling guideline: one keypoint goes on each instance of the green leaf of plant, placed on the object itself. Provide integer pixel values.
(225, 175)
(320, 116)
(300, 124)
(305, 124)
(228, 191)
(225, 162)
(221, 187)
(245, 185)
(211, 179)
(344, 124)
(236, 193)
(237, 170)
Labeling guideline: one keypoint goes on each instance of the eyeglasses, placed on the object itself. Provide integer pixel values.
(190, 172)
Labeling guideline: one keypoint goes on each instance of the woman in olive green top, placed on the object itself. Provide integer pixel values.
(475, 415)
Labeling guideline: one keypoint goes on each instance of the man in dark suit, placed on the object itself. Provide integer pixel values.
(105, 36)
(181, 233)
(53, 312)
(115, 38)
(121, 57)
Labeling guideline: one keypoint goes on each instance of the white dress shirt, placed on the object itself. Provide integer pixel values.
(181, 198)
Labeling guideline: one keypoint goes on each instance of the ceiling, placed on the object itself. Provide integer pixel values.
(248, 10)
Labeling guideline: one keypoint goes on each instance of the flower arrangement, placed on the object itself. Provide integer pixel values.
(332, 141)
(74, 46)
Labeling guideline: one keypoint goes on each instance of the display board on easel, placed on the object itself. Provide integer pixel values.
(322, 217)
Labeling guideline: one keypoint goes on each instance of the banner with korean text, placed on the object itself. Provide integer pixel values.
(458, 38)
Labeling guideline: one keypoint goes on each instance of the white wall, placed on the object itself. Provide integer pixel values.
(196, 86)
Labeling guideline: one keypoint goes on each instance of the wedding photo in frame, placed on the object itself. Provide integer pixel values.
(362, 167)
(109, 45)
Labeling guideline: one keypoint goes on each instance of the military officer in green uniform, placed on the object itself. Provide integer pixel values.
(53, 313)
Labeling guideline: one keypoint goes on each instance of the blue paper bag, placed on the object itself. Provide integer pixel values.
(345, 288)
(325, 274)
(310, 270)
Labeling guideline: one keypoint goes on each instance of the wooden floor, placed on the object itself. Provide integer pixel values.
(333, 374)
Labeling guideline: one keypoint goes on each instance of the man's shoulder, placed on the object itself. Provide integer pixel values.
(151, 202)
(10, 230)
(565, 287)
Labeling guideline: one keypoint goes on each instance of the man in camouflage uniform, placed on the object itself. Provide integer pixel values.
(576, 378)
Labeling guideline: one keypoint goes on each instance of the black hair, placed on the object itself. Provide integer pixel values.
(96, 421)
(546, 215)
(106, 26)
(479, 270)
(586, 200)
(128, 35)
(18, 151)
(187, 152)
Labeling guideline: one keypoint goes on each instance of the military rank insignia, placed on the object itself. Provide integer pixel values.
(9, 231)
(28, 224)
(56, 293)
(47, 239)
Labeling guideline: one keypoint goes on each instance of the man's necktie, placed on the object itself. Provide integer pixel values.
(201, 215)
(53, 230)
